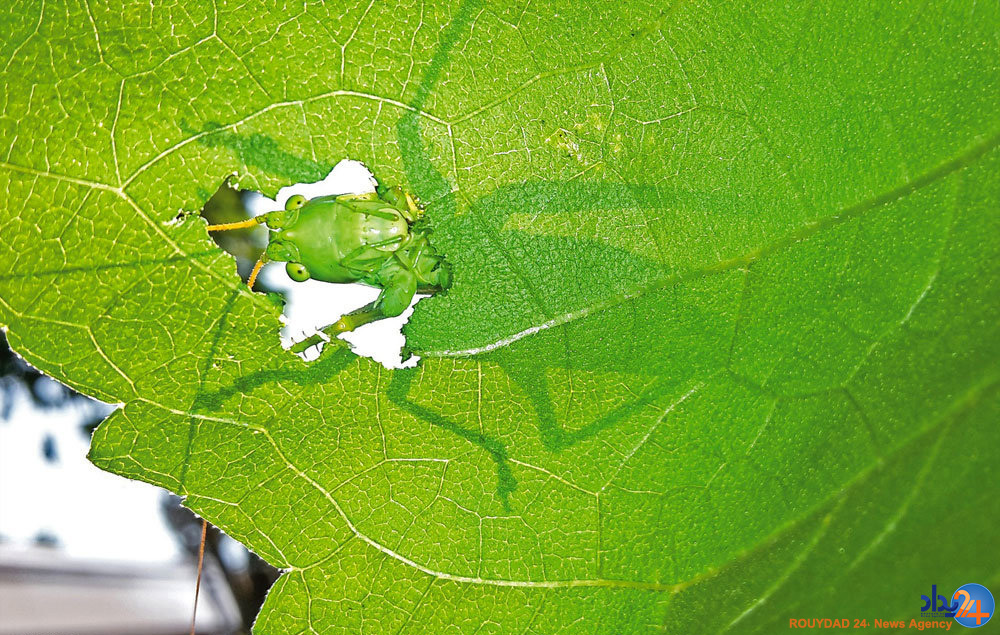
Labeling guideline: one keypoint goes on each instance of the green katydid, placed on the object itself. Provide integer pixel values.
(372, 238)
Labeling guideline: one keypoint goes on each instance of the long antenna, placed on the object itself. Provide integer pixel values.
(250, 222)
(256, 270)
(197, 585)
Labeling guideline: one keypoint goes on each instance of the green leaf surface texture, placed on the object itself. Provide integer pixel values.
(722, 346)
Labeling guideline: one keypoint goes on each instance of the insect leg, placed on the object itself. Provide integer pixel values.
(416, 212)
(352, 257)
(406, 203)
(365, 196)
(409, 254)
(374, 212)
(393, 300)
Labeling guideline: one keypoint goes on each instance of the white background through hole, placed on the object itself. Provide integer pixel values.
(90, 513)
(312, 305)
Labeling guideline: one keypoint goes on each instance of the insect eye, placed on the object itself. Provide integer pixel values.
(295, 202)
(297, 272)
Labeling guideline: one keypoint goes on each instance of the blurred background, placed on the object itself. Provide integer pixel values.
(83, 551)
(86, 552)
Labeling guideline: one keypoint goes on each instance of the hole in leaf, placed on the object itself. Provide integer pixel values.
(311, 305)
(230, 205)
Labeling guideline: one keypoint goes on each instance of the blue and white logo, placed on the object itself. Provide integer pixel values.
(975, 605)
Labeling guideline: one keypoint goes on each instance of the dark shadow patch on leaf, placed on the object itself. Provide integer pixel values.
(258, 150)
(330, 364)
(556, 438)
(423, 176)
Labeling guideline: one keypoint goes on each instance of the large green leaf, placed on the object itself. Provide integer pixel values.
(722, 347)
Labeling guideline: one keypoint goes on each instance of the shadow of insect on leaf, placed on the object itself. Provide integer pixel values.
(554, 436)
(485, 231)
(485, 225)
(331, 363)
(398, 393)
(259, 151)
(526, 366)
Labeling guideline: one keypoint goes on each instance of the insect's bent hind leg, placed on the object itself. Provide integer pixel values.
(351, 260)
(393, 300)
